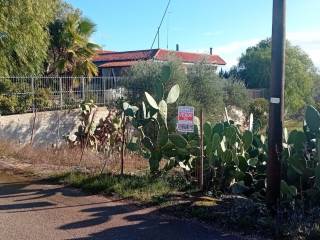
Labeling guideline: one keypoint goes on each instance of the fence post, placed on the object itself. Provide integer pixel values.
(83, 90)
(104, 90)
(60, 92)
(32, 93)
(61, 107)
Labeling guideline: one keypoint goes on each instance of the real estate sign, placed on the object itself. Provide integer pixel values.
(185, 119)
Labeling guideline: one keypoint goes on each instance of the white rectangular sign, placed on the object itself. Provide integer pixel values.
(185, 119)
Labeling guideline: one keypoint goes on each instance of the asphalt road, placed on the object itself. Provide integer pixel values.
(37, 210)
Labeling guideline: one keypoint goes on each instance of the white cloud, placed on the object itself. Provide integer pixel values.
(309, 41)
(231, 52)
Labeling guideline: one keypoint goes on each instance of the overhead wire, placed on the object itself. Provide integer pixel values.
(159, 27)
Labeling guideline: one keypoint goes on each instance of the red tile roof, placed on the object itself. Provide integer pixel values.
(188, 57)
(125, 56)
(104, 51)
(123, 59)
(118, 64)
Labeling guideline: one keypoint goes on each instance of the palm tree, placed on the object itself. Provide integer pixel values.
(70, 51)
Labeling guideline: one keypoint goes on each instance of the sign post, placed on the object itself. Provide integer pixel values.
(186, 125)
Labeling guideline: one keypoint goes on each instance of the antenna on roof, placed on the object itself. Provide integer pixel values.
(159, 27)
(168, 26)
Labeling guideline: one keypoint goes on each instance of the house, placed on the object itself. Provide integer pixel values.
(115, 63)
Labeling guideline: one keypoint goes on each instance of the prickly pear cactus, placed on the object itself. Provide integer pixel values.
(313, 119)
(153, 126)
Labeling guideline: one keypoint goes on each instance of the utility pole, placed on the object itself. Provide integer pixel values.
(276, 113)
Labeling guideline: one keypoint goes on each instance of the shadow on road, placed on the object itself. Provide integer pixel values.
(149, 225)
(118, 219)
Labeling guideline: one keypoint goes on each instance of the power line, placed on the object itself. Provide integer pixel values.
(159, 27)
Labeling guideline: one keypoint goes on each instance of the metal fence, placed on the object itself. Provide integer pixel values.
(257, 93)
(29, 94)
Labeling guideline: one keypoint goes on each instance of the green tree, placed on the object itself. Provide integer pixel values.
(316, 92)
(200, 86)
(144, 76)
(254, 69)
(70, 50)
(24, 36)
(235, 94)
(206, 90)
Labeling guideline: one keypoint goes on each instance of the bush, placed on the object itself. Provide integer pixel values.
(200, 85)
(142, 77)
(43, 98)
(17, 97)
(206, 90)
(236, 94)
(8, 104)
(259, 108)
(6, 86)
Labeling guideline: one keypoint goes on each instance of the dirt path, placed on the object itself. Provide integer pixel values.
(31, 209)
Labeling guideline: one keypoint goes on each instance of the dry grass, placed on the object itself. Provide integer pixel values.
(293, 125)
(64, 158)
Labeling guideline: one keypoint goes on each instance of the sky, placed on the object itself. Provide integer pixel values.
(228, 26)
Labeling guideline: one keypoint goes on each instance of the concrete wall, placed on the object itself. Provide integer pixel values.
(50, 127)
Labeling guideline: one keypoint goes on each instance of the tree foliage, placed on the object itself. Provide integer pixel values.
(235, 93)
(200, 86)
(206, 89)
(144, 76)
(24, 36)
(254, 69)
(47, 36)
(70, 50)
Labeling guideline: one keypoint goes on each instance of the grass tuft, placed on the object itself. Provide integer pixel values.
(146, 188)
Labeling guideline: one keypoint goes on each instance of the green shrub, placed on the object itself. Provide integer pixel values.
(236, 94)
(193, 80)
(8, 104)
(6, 86)
(205, 90)
(259, 108)
(43, 98)
(17, 97)
(144, 76)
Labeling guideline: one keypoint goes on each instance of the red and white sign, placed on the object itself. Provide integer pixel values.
(185, 119)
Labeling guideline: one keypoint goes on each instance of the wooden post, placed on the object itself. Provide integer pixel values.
(123, 143)
(276, 112)
(201, 152)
